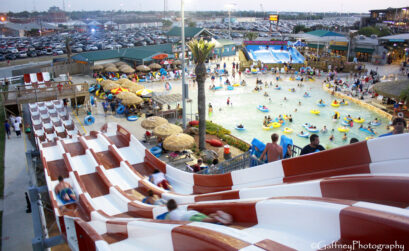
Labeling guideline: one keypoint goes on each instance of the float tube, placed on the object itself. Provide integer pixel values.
(156, 151)
(120, 109)
(132, 118)
(89, 120)
(214, 142)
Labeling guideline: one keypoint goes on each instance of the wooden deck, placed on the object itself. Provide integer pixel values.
(45, 92)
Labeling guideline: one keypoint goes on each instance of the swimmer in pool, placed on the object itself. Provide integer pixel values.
(331, 138)
(299, 103)
(324, 129)
(344, 138)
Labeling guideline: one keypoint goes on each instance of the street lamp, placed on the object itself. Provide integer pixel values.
(229, 8)
(185, 90)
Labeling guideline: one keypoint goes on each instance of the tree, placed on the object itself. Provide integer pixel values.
(300, 27)
(68, 48)
(166, 23)
(251, 36)
(371, 30)
(201, 50)
(191, 24)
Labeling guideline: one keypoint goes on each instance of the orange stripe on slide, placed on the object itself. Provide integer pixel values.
(242, 212)
(375, 227)
(342, 157)
(229, 195)
(195, 238)
(211, 183)
(387, 190)
(268, 244)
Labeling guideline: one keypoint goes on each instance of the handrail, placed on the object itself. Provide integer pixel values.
(55, 91)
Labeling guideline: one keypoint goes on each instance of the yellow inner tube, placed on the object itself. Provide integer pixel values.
(335, 105)
(343, 129)
(266, 128)
(368, 138)
(359, 121)
(315, 111)
(346, 103)
(285, 117)
(275, 124)
(236, 85)
(288, 130)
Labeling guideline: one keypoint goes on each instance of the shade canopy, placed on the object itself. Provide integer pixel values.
(105, 82)
(110, 86)
(167, 129)
(160, 56)
(155, 66)
(152, 122)
(120, 63)
(391, 89)
(111, 69)
(178, 142)
(97, 67)
(127, 70)
(143, 68)
(177, 62)
(133, 87)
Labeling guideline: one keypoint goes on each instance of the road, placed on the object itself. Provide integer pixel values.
(7, 71)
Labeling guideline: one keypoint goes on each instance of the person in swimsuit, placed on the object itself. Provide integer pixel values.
(64, 190)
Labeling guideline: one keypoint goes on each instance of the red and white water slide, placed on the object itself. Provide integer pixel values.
(352, 195)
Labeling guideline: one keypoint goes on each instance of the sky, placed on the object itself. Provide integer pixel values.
(361, 6)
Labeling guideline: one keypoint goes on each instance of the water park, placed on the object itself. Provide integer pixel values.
(118, 172)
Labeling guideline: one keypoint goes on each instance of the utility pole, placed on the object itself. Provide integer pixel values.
(185, 91)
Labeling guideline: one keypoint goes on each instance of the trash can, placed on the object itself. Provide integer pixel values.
(227, 153)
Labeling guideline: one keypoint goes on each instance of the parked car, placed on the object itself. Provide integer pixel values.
(10, 56)
(22, 54)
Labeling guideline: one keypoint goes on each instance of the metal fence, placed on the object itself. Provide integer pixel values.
(242, 161)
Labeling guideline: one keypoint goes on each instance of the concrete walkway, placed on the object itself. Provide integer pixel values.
(17, 229)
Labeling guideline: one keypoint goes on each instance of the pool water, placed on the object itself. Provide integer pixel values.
(244, 110)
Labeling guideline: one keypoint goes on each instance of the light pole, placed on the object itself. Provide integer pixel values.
(185, 90)
(229, 23)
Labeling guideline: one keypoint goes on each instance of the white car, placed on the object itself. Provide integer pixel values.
(59, 52)
(22, 54)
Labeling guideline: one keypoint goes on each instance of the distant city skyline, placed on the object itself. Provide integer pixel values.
(360, 6)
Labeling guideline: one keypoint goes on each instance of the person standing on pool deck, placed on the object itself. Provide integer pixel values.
(314, 145)
(399, 125)
(228, 101)
(273, 150)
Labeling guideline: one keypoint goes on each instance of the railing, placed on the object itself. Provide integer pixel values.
(53, 90)
(242, 161)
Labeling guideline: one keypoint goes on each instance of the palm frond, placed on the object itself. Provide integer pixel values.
(200, 50)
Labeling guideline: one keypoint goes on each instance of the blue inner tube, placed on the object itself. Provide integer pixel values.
(277, 88)
(91, 89)
(305, 135)
(320, 104)
(92, 100)
(89, 120)
(367, 131)
(307, 96)
(262, 109)
(230, 88)
(239, 129)
(132, 118)
(156, 150)
(120, 109)
(218, 87)
(375, 124)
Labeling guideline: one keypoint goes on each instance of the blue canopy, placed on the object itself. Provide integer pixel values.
(299, 44)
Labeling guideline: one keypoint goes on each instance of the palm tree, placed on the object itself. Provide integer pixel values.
(201, 50)
(251, 36)
(404, 95)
